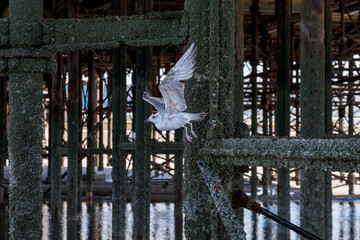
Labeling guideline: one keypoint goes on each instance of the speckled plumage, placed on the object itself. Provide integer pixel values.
(172, 105)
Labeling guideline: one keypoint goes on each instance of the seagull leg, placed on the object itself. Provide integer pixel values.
(187, 136)
(192, 131)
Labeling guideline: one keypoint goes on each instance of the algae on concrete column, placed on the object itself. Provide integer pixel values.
(197, 207)
(25, 123)
(328, 113)
(119, 173)
(282, 117)
(141, 170)
(312, 100)
(239, 65)
(210, 90)
(239, 89)
(25, 135)
(226, 67)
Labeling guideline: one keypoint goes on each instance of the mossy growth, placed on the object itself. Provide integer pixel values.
(319, 154)
(208, 91)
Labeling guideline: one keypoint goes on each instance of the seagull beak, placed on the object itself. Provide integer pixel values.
(147, 120)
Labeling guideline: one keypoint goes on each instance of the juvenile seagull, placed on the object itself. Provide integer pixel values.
(171, 106)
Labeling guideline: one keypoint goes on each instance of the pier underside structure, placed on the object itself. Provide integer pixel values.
(72, 74)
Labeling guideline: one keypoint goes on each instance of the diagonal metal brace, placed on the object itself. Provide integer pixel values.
(240, 199)
(222, 203)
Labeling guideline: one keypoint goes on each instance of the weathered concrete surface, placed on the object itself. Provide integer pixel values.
(319, 154)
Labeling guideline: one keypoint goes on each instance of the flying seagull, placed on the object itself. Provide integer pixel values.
(172, 105)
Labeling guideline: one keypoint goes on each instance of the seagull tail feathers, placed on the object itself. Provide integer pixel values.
(199, 116)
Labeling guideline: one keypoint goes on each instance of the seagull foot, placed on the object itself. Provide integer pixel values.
(189, 138)
(192, 131)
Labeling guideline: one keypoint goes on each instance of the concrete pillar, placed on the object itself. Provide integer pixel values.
(119, 110)
(119, 173)
(282, 117)
(312, 100)
(210, 90)
(56, 134)
(25, 123)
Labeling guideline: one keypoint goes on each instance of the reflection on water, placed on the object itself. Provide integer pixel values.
(95, 221)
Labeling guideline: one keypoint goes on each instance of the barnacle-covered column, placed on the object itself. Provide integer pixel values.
(25, 69)
(211, 28)
(312, 100)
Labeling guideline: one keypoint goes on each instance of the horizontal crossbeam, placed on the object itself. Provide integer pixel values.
(317, 154)
(129, 147)
(153, 29)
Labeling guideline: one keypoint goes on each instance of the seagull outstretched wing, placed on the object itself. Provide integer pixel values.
(158, 103)
(171, 88)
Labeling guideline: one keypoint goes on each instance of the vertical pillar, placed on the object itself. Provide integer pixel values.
(119, 174)
(350, 103)
(80, 126)
(178, 175)
(91, 122)
(57, 122)
(72, 143)
(265, 112)
(212, 30)
(282, 117)
(239, 85)
(25, 124)
(101, 128)
(73, 136)
(25, 135)
(312, 100)
(119, 110)
(351, 99)
(141, 176)
(141, 181)
(178, 212)
(3, 128)
(239, 65)
(56, 133)
(254, 8)
(328, 114)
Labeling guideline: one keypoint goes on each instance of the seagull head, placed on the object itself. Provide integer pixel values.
(154, 118)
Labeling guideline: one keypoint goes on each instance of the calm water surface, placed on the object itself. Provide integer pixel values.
(96, 223)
